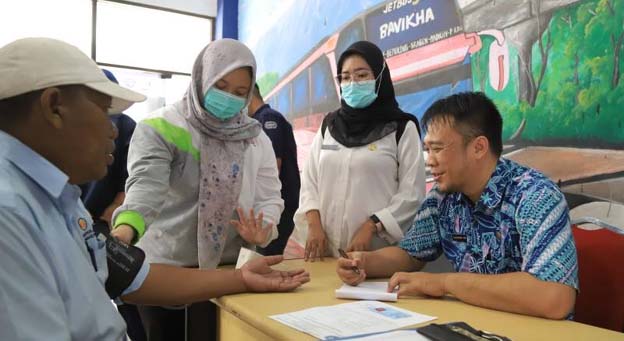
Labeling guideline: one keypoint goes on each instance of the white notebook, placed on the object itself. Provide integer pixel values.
(375, 291)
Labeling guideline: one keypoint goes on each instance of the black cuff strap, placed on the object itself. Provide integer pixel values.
(124, 262)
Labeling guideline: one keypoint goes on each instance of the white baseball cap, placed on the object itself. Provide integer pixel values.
(31, 64)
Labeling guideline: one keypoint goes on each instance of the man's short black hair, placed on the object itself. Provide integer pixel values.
(16, 108)
(472, 114)
(256, 92)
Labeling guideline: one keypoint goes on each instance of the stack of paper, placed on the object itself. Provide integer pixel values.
(350, 319)
(374, 291)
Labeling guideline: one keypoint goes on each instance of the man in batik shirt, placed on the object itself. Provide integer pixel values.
(504, 227)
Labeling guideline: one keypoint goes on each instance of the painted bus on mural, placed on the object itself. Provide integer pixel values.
(551, 67)
(426, 49)
(435, 48)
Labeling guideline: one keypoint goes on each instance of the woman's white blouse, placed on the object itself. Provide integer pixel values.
(348, 185)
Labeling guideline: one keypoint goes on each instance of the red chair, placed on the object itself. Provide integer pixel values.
(601, 278)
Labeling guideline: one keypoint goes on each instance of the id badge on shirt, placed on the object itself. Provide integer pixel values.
(460, 238)
(329, 147)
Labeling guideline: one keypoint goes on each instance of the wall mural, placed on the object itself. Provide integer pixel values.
(553, 67)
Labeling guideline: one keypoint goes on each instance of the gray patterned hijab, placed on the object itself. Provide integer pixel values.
(223, 145)
(216, 60)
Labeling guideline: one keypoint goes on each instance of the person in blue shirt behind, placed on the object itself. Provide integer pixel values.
(281, 134)
(56, 275)
(103, 196)
(504, 227)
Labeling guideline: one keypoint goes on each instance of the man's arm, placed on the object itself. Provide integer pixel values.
(516, 292)
(546, 284)
(421, 244)
(385, 262)
(163, 285)
(374, 264)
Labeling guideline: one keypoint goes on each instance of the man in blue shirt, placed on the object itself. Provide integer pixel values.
(281, 134)
(504, 227)
(56, 275)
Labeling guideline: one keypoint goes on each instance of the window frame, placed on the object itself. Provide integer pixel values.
(164, 73)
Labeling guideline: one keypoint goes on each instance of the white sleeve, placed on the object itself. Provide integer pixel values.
(309, 193)
(268, 197)
(399, 214)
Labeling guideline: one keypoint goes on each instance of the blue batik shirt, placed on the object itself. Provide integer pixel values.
(520, 223)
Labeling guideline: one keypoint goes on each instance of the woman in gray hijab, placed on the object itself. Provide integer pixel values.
(199, 171)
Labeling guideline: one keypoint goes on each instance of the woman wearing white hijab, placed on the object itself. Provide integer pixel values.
(193, 167)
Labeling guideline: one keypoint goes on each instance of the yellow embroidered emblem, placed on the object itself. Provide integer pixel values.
(82, 223)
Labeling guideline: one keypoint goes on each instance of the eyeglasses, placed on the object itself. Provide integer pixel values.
(435, 150)
(357, 76)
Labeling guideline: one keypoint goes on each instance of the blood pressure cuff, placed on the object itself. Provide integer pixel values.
(124, 262)
(457, 331)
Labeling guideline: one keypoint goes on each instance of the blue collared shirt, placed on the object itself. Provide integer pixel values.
(52, 266)
(520, 223)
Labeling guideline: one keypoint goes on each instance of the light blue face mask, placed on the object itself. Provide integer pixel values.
(223, 105)
(360, 94)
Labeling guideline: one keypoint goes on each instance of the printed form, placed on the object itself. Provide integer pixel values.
(350, 319)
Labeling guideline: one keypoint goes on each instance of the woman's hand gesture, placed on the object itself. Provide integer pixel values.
(250, 227)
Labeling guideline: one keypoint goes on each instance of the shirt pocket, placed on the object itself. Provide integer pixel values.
(96, 248)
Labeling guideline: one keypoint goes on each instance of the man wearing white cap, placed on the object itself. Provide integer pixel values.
(56, 275)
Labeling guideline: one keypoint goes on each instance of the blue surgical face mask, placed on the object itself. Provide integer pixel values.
(360, 94)
(223, 105)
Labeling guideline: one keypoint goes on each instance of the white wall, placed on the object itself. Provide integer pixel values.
(203, 7)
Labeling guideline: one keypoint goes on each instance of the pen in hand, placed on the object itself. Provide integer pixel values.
(345, 255)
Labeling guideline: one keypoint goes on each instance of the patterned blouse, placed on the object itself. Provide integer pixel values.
(520, 223)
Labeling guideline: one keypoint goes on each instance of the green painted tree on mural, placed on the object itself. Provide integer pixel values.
(581, 94)
(609, 17)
